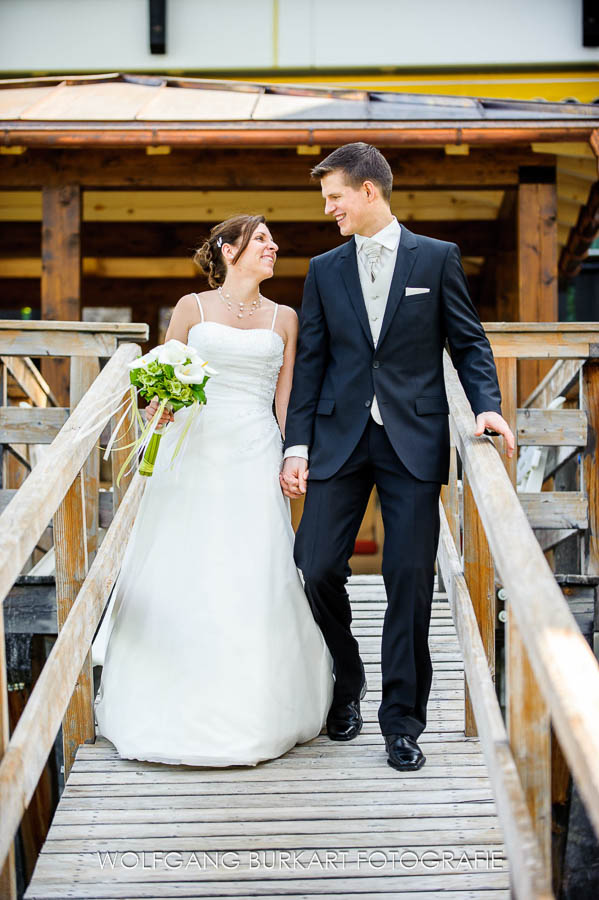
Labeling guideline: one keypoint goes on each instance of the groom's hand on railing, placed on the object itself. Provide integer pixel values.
(492, 422)
(294, 476)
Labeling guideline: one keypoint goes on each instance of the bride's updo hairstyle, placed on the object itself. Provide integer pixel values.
(209, 257)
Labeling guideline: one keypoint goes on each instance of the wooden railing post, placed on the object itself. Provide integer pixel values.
(590, 468)
(8, 882)
(526, 711)
(451, 500)
(480, 578)
(84, 371)
(528, 728)
(127, 435)
(71, 569)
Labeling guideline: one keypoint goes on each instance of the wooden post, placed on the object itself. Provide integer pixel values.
(127, 435)
(480, 578)
(451, 500)
(84, 371)
(537, 260)
(71, 569)
(527, 716)
(507, 376)
(590, 465)
(8, 878)
(61, 271)
(529, 733)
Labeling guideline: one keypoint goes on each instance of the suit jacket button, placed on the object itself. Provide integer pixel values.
(376, 364)
(367, 403)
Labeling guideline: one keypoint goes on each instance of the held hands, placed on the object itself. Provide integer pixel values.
(495, 422)
(151, 409)
(293, 476)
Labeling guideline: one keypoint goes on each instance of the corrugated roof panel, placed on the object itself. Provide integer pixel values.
(14, 101)
(105, 102)
(291, 108)
(181, 104)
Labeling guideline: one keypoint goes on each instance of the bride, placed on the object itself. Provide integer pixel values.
(209, 650)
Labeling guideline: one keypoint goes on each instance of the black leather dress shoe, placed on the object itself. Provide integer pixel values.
(403, 752)
(344, 721)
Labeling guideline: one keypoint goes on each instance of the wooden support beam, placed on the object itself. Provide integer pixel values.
(16, 341)
(552, 427)
(84, 371)
(70, 545)
(580, 167)
(127, 435)
(475, 237)
(537, 793)
(537, 261)
(451, 501)
(529, 733)
(8, 877)
(508, 385)
(30, 380)
(590, 464)
(249, 168)
(277, 206)
(576, 149)
(480, 579)
(556, 509)
(19, 425)
(61, 270)
(560, 379)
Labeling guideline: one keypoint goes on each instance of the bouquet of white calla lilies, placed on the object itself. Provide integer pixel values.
(176, 375)
(190, 373)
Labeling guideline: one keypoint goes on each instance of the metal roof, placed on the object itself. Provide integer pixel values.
(119, 98)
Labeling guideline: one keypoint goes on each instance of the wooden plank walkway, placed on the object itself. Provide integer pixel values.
(325, 820)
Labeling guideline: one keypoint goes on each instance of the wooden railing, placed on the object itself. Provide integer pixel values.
(553, 676)
(551, 673)
(63, 485)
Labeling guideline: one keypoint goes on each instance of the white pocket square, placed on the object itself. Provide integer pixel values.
(411, 291)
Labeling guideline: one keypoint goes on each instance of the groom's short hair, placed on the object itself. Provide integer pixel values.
(359, 162)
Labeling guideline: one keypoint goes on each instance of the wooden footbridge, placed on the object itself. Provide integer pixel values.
(325, 820)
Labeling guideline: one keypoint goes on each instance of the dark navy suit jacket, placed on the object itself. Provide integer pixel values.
(338, 369)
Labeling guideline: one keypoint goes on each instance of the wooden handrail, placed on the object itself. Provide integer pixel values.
(564, 666)
(35, 732)
(529, 873)
(29, 512)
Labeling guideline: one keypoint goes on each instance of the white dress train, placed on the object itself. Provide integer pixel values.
(210, 653)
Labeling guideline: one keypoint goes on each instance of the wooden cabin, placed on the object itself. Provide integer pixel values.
(108, 183)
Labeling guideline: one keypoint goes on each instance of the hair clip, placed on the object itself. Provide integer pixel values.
(219, 242)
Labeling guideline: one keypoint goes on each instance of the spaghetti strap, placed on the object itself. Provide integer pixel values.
(200, 306)
(274, 318)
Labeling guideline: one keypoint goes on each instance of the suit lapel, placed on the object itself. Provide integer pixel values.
(351, 278)
(406, 257)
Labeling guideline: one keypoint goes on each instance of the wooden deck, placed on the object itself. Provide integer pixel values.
(325, 820)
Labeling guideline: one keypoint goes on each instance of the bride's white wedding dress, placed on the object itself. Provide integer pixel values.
(209, 649)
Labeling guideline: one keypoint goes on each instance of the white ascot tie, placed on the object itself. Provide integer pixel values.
(372, 249)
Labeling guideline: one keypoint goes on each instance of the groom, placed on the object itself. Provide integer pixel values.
(368, 407)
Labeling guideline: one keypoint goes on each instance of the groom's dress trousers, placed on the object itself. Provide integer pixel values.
(358, 348)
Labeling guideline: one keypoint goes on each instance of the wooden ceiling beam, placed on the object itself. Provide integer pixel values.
(573, 188)
(166, 267)
(253, 169)
(474, 237)
(277, 206)
(581, 168)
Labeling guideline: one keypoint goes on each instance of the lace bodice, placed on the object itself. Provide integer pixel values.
(248, 362)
